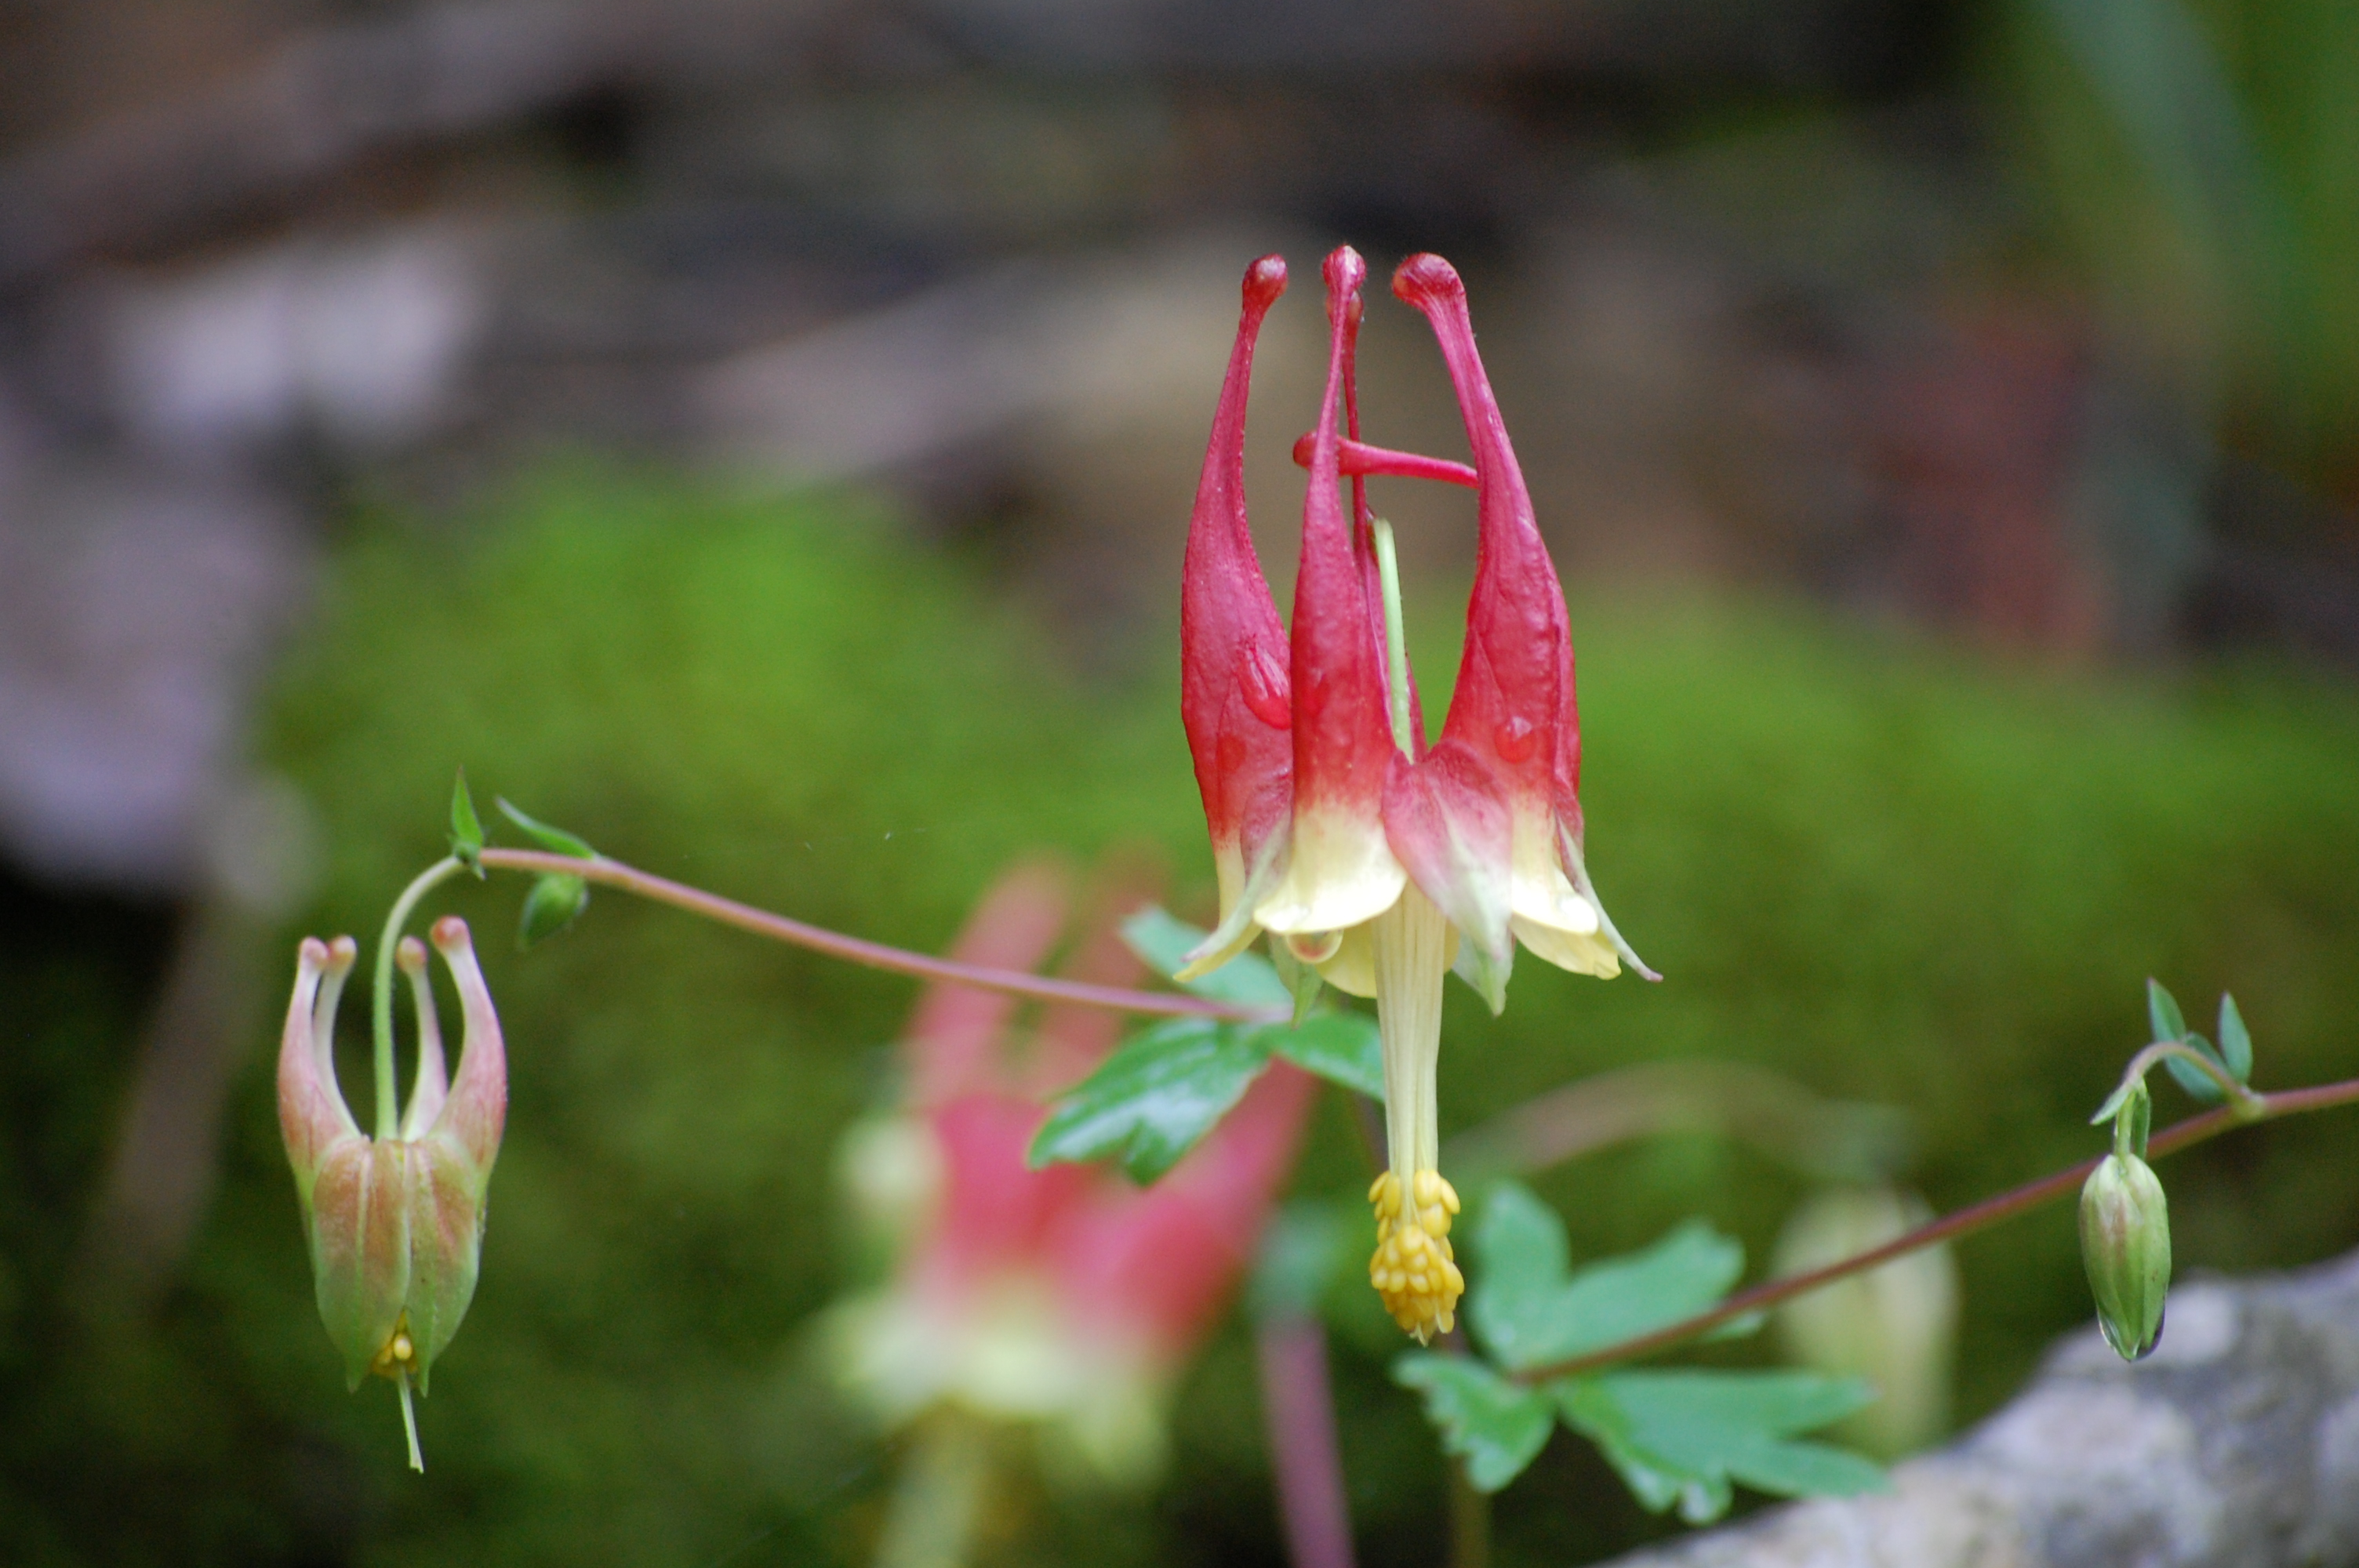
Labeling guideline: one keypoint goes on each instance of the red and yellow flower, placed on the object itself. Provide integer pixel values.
(1377, 856)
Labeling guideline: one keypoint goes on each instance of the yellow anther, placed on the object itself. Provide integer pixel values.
(1413, 1269)
(398, 1355)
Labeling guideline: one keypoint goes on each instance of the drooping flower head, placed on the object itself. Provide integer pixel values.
(1391, 860)
(395, 1225)
(1064, 1298)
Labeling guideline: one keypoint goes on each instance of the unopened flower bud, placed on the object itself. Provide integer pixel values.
(2126, 1246)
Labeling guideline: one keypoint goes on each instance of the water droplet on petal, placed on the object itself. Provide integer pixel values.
(1264, 684)
(1516, 738)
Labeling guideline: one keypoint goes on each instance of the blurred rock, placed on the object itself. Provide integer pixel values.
(137, 608)
(2234, 1446)
(361, 342)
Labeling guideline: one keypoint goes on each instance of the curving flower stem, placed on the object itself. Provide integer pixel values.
(2254, 1109)
(851, 949)
(388, 1113)
(2242, 1100)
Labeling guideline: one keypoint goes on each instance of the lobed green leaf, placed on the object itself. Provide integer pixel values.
(1344, 1048)
(1148, 1103)
(1683, 1436)
(1496, 1427)
(1527, 1311)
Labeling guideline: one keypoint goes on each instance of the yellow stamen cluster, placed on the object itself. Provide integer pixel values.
(1412, 1269)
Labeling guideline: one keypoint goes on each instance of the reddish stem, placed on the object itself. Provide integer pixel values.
(1964, 1222)
(875, 954)
(1299, 1410)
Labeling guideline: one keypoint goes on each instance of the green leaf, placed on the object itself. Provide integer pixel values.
(1527, 1313)
(548, 837)
(1164, 943)
(2106, 1112)
(1495, 1426)
(2162, 1011)
(2199, 1084)
(550, 907)
(1344, 1048)
(1148, 1103)
(2235, 1040)
(1685, 1435)
(466, 828)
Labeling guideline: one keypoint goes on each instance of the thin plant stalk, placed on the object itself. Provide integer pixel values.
(2252, 1110)
(874, 954)
(1298, 1408)
(388, 1112)
(1469, 1521)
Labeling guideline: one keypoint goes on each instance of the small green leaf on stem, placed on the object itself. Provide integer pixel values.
(1148, 1103)
(551, 906)
(1682, 1436)
(2113, 1105)
(1495, 1426)
(2162, 1011)
(556, 838)
(466, 828)
(2235, 1040)
(2200, 1085)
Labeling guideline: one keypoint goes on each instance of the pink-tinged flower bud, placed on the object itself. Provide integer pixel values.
(395, 1225)
(1235, 697)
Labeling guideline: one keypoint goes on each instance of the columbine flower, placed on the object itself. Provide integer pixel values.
(1377, 858)
(1064, 1298)
(395, 1224)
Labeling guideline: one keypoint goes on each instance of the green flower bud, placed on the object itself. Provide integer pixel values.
(2125, 1245)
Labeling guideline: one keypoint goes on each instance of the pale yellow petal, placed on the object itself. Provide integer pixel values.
(1353, 966)
(1341, 873)
(1583, 953)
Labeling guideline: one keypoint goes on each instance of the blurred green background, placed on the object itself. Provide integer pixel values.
(1885, 869)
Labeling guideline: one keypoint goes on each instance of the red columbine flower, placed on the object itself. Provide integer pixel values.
(1065, 1297)
(1389, 860)
(395, 1224)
